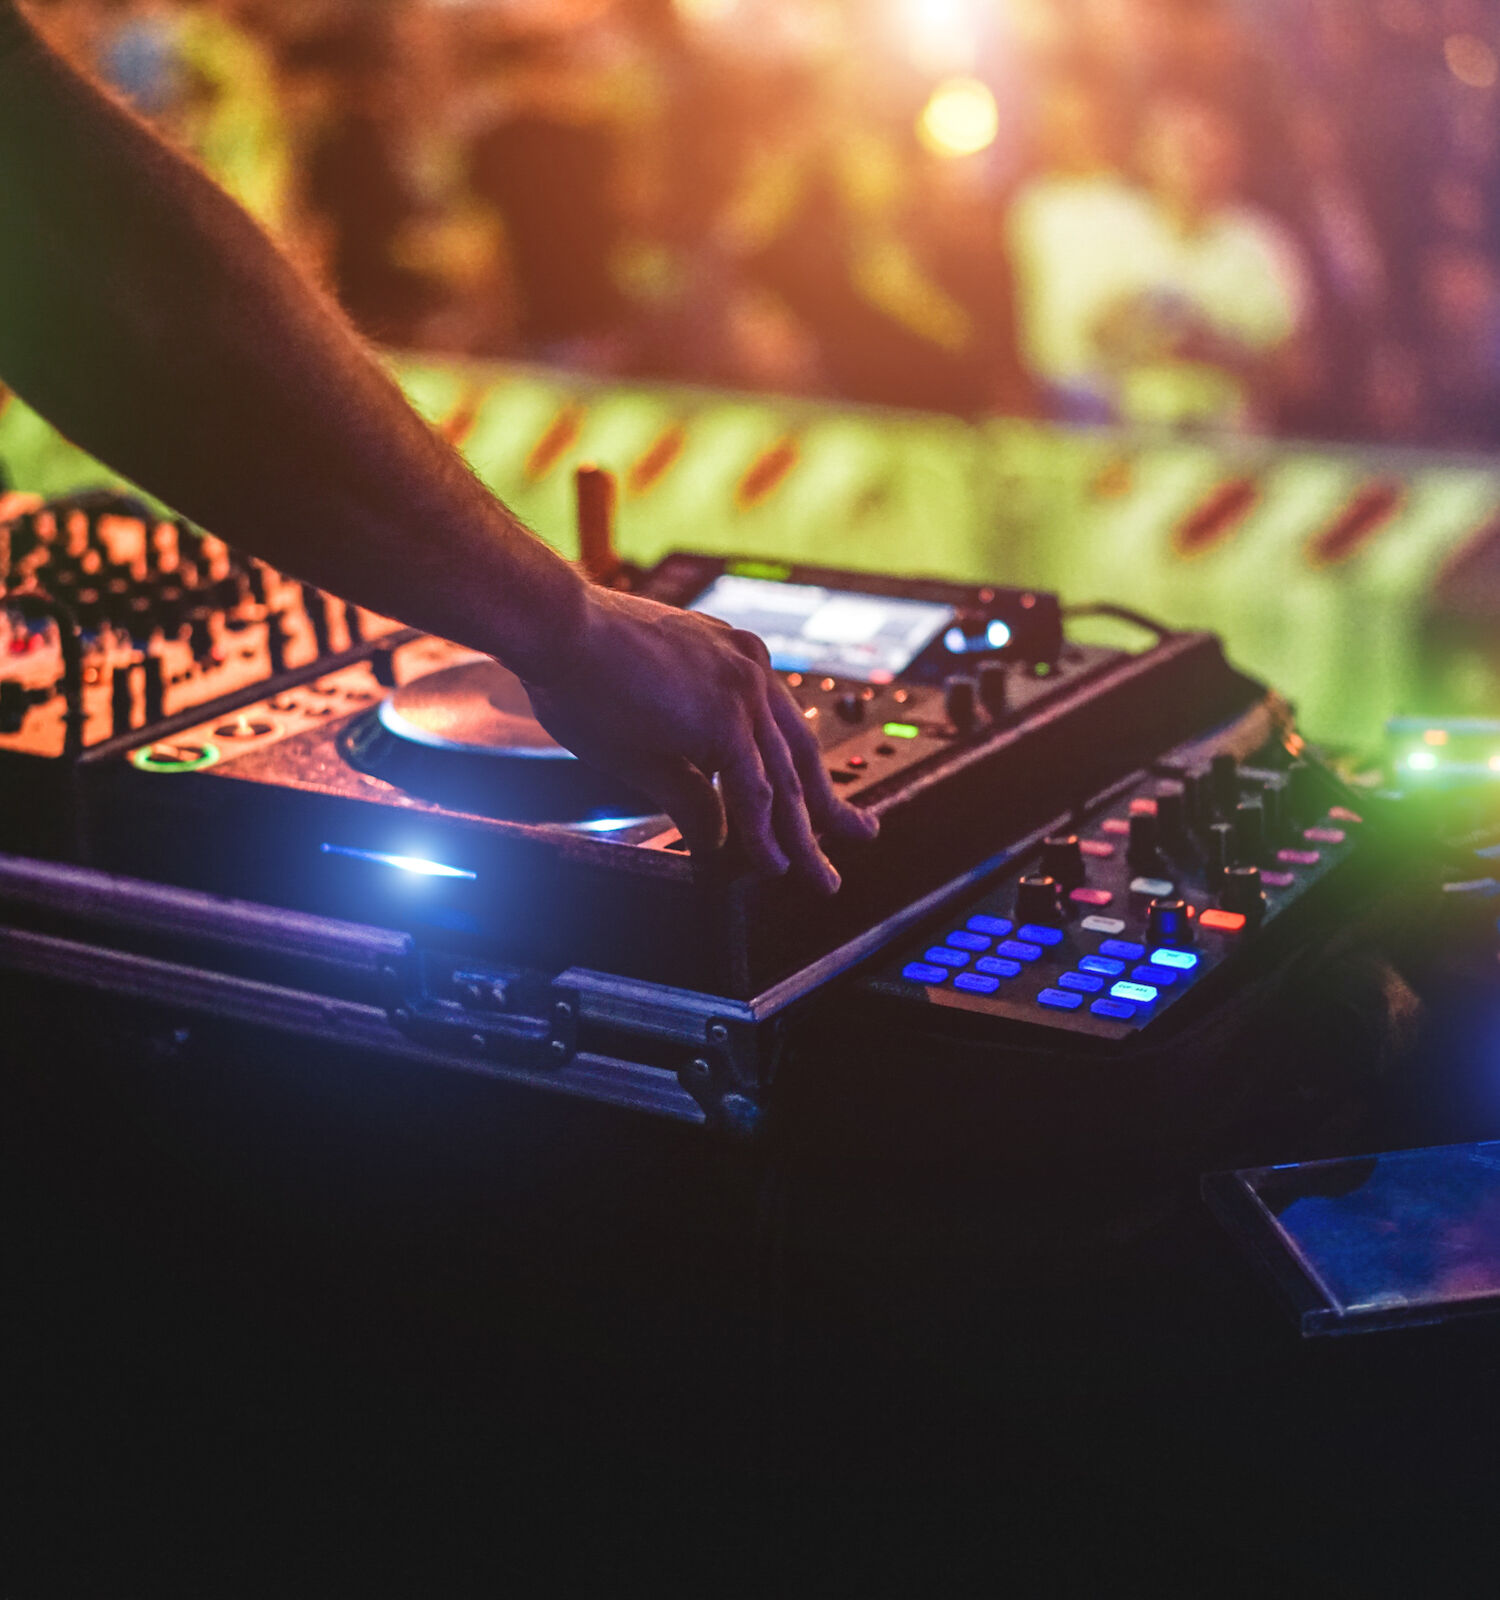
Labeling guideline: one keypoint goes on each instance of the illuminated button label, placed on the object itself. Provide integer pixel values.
(1324, 835)
(1152, 888)
(962, 939)
(1183, 960)
(1039, 933)
(1143, 807)
(1115, 825)
(1299, 858)
(1278, 880)
(1100, 849)
(1157, 977)
(1083, 982)
(1059, 999)
(1103, 964)
(921, 972)
(1118, 1010)
(1344, 814)
(901, 730)
(941, 955)
(996, 927)
(1090, 897)
(973, 983)
(1103, 925)
(995, 967)
(1222, 921)
(1122, 949)
(1017, 951)
(1140, 994)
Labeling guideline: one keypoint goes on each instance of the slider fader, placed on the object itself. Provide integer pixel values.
(1135, 909)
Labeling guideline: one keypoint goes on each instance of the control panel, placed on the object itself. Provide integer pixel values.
(113, 620)
(1138, 905)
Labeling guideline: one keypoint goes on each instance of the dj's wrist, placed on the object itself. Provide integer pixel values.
(552, 642)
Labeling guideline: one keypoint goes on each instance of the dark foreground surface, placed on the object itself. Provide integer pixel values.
(280, 1323)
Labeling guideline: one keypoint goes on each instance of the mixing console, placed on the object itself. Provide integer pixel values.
(163, 619)
(1140, 905)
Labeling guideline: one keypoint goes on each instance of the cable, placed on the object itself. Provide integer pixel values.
(1102, 608)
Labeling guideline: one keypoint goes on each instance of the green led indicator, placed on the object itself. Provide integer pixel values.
(771, 571)
(901, 730)
(168, 757)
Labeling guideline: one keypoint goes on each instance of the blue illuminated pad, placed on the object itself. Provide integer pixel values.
(1157, 977)
(1018, 951)
(1083, 982)
(1038, 933)
(1141, 994)
(921, 972)
(962, 940)
(1120, 1010)
(1059, 999)
(996, 968)
(1183, 960)
(942, 956)
(1122, 949)
(975, 984)
(996, 927)
(1102, 965)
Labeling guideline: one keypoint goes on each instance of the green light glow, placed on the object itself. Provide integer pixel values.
(1421, 761)
(901, 730)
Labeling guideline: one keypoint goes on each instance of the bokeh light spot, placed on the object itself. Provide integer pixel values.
(1471, 60)
(960, 119)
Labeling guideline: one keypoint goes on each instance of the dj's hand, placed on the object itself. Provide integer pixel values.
(669, 699)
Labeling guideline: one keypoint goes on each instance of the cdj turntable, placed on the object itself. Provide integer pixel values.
(380, 808)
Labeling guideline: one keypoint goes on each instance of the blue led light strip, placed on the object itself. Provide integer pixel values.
(412, 864)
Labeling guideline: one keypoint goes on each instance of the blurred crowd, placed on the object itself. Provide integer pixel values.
(1242, 214)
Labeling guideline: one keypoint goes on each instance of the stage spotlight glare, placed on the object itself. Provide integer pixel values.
(960, 119)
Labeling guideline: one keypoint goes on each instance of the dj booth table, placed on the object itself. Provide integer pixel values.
(296, 1320)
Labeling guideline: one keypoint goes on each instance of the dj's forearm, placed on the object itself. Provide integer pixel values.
(147, 316)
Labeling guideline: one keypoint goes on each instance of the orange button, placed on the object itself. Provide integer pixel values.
(1222, 921)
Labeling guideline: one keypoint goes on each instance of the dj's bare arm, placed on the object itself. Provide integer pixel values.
(151, 320)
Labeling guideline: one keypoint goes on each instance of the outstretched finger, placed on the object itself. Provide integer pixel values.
(794, 827)
(685, 793)
(751, 802)
(829, 811)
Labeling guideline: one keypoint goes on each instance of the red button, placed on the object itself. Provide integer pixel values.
(1344, 814)
(1222, 921)
(856, 762)
(1323, 835)
(1143, 808)
(1115, 825)
(1096, 847)
(1090, 897)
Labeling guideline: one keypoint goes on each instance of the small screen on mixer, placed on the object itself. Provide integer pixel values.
(807, 628)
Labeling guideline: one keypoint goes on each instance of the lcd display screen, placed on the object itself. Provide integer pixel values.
(807, 628)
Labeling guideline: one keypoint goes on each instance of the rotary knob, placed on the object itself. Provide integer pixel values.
(1197, 794)
(1273, 798)
(1062, 860)
(1224, 778)
(1037, 900)
(960, 702)
(1167, 923)
(1142, 849)
(1249, 831)
(1241, 891)
(849, 707)
(1218, 850)
(994, 688)
(1171, 813)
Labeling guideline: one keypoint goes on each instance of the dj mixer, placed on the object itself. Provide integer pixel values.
(228, 790)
